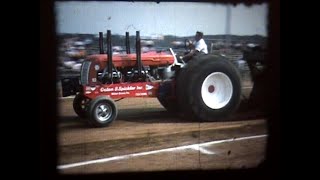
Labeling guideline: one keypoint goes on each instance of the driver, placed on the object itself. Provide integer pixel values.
(199, 46)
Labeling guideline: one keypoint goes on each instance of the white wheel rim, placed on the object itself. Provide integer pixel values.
(216, 90)
(103, 112)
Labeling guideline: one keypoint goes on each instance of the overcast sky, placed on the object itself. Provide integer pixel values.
(174, 18)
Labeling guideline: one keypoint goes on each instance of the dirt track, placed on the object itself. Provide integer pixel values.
(145, 137)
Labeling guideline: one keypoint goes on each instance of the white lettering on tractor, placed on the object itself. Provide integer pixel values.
(106, 89)
(127, 88)
(141, 94)
(121, 88)
(119, 93)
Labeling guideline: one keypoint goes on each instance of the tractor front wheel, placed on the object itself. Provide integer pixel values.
(80, 103)
(102, 111)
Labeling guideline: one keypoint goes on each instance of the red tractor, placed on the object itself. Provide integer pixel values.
(206, 88)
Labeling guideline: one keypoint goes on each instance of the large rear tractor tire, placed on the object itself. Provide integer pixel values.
(166, 97)
(211, 89)
(102, 112)
(80, 103)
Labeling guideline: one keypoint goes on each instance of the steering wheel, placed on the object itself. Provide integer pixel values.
(188, 45)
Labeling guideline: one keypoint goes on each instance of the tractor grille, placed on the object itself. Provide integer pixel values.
(84, 75)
